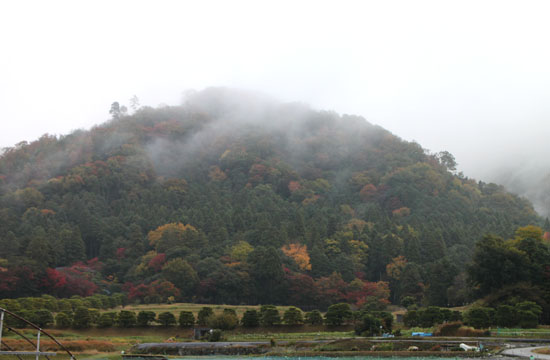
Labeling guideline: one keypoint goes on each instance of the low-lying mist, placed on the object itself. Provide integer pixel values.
(530, 180)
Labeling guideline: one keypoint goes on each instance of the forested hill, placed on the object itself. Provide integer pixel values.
(235, 198)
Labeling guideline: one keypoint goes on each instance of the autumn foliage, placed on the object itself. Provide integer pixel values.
(299, 254)
(177, 228)
(232, 200)
(156, 292)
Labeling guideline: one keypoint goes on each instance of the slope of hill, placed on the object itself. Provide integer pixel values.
(239, 199)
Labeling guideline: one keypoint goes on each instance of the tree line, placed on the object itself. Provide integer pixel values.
(524, 314)
(267, 316)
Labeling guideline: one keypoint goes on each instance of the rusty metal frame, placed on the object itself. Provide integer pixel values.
(36, 327)
(25, 338)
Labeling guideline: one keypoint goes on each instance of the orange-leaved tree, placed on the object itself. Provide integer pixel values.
(299, 253)
(172, 235)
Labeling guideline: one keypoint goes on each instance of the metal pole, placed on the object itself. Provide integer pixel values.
(38, 345)
(38, 328)
(1, 326)
(26, 339)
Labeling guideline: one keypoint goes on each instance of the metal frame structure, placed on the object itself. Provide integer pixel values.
(37, 353)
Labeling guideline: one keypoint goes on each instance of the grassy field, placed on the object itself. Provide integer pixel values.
(97, 356)
(94, 340)
(288, 336)
(113, 340)
(542, 332)
(107, 343)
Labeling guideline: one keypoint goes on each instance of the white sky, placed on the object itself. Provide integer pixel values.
(470, 77)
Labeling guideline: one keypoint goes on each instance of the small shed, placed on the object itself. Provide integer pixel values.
(399, 314)
(200, 332)
(399, 318)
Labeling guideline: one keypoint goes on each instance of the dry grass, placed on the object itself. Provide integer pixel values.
(544, 351)
(71, 345)
(466, 331)
(458, 329)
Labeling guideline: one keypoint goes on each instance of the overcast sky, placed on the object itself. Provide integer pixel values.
(470, 77)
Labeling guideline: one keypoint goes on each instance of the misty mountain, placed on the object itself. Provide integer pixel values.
(219, 187)
(530, 180)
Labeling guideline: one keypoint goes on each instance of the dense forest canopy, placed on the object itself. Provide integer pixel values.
(236, 198)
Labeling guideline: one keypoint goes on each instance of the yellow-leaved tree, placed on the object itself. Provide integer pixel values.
(240, 251)
(172, 235)
(299, 253)
(529, 232)
(396, 267)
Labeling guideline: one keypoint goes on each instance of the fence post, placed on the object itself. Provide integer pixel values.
(1, 326)
(38, 345)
